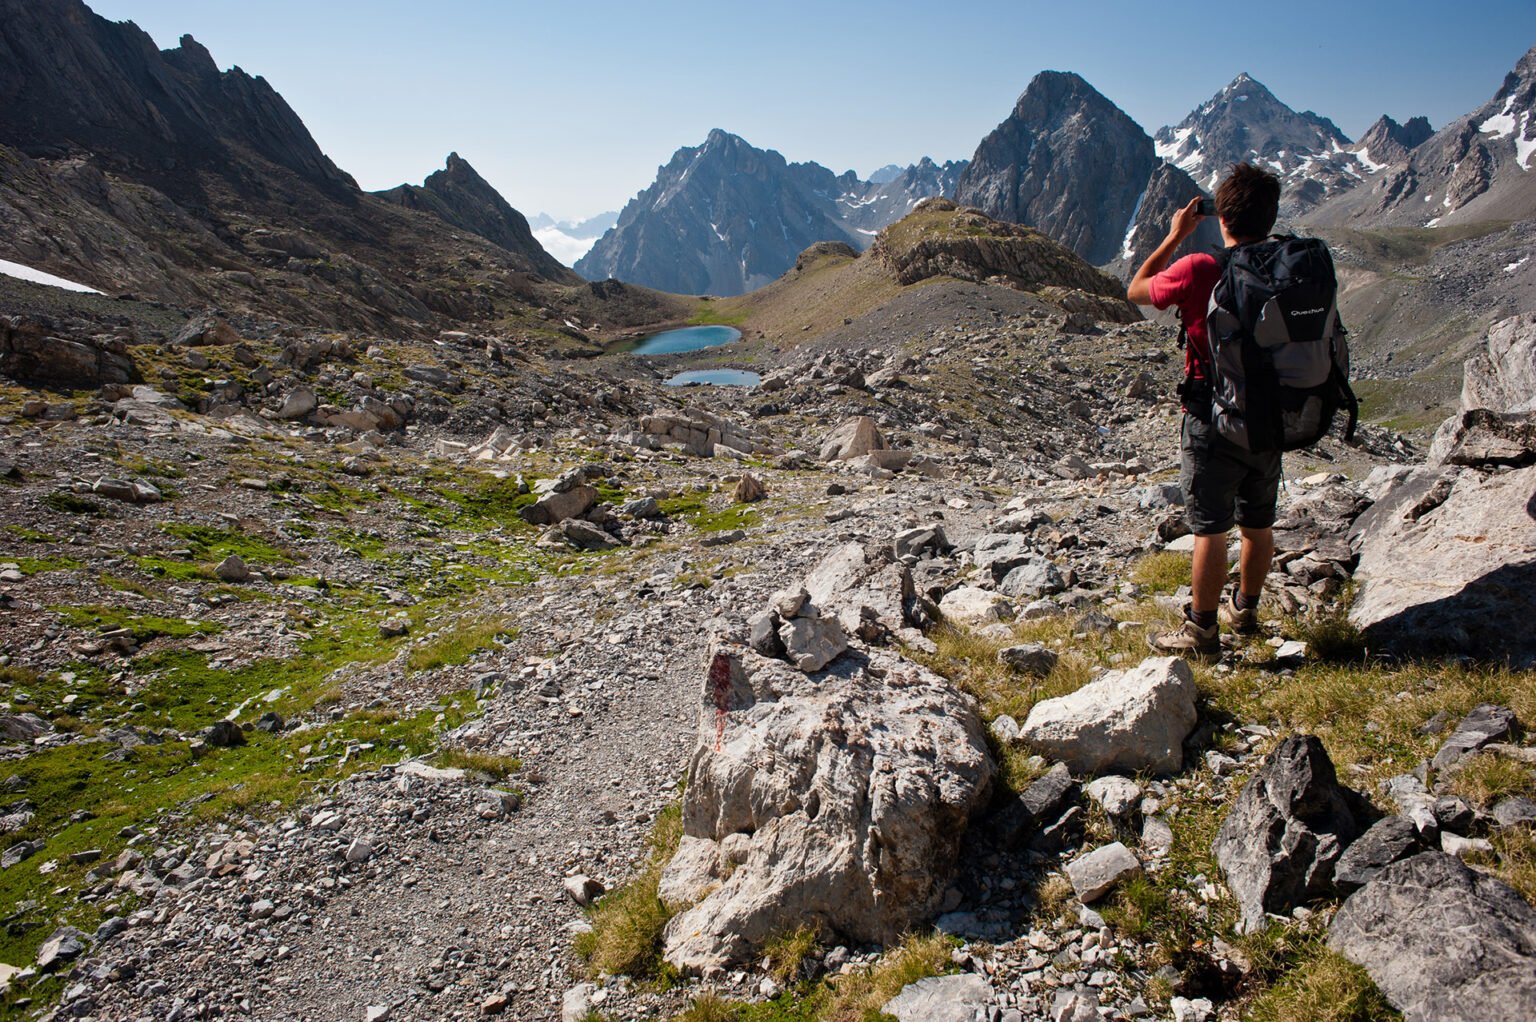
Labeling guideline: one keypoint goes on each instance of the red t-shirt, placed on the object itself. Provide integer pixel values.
(1188, 284)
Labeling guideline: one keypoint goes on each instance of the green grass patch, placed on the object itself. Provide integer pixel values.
(30, 535)
(625, 938)
(1162, 572)
(497, 768)
(214, 544)
(457, 642)
(695, 509)
(144, 627)
(1322, 986)
(67, 502)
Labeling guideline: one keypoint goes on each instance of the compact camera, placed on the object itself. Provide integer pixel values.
(1207, 207)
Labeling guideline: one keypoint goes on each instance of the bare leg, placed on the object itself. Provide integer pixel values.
(1253, 565)
(1209, 571)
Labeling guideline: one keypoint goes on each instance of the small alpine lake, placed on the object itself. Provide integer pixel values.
(716, 377)
(691, 338)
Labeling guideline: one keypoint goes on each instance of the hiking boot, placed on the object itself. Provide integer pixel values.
(1188, 638)
(1243, 622)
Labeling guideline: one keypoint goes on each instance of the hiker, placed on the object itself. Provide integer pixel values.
(1224, 484)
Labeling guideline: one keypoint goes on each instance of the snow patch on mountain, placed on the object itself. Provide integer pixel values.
(21, 272)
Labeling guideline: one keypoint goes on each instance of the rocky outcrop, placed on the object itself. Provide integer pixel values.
(870, 593)
(852, 438)
(1387, 142)
(1066, 161)
(1123, 721)
(1168, 190)
(1289, 826)
(835, 800)
(31, 352)
(1443, 943)
(700, 433)
(1446, 559)
(941, 239)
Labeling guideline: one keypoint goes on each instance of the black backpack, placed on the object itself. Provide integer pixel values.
(1279, 358)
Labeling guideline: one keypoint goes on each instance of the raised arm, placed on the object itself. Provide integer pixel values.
(1184, 223)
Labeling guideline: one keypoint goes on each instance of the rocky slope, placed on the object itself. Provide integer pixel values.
(1477, 168)
(1244, 122)
(154, 173)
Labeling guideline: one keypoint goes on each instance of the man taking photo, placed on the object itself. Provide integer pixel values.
(1223, 484)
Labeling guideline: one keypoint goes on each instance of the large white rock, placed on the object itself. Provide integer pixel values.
(871, 594)
(941, 999)
(841, 799)
(812, 643)
(1094, 874)
(969, 605)
(1122, 722)
(851, 439)
(1448, 563)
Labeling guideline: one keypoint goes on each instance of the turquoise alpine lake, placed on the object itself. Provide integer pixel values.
(692, 338)
(718, 377)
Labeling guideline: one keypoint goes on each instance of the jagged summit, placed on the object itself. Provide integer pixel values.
(72, 81)
(1387, 142)
(1067, 161)
(726, 217)
(1480, 166)
(460, 196)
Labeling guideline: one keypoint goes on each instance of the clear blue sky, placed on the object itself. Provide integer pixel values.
(568, 108)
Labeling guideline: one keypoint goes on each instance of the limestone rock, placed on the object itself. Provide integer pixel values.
(871, 594)
(851, 439)
(206, 329)
(583, 535)
(1116, 795)
(850, 792)
(1032, 658)
(810, 643)
(940, 999)
(1034, 578)
(1125, 721)
(298, 402)
(969, 605)
(553, 508)
(1485, 724)
(1390, 838)
(233, 569)
(749, 489)
(1285, 831)
(1442, 942)
(1095, 874)
(1447, 565)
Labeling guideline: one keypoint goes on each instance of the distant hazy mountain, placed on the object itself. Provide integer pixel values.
(886, 174)
(1066, 161)
(569, 240)
(1479, 167)
(868, 207)
(725, 217)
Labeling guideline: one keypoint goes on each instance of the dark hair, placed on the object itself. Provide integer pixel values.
(1248, 201)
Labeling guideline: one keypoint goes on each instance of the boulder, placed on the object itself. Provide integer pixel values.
(553, 508)
(233, 569)
(851, 439)
(920, 540)
(869, 592)
(941, 999)
(1033, 658)
(1117, 796)
(1034, 578)
(1502, 376)
(812, 642)
(1443, 943)
(23, 727)
(1096, 873)
(206, 329)
(29, 351)
(845, 796)
(1390, 838)
(1124, 721)
(1483, 726)
(583, 535)
(971, 606)
(1447, 565)
(298, 402)
(1037, 806)
(1286, 830)
(749, 489)
(1001, 552)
